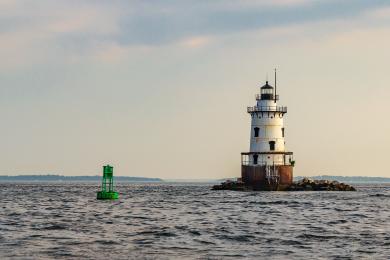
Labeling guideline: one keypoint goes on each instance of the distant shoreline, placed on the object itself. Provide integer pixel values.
(62, 178)
(348, 179)
(97, 178)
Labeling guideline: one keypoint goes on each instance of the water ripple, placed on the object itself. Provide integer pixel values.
(188, 221)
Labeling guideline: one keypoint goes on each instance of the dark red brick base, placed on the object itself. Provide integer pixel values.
(254, 176)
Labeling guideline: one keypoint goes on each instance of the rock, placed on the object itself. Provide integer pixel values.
(322, 182)
(349, 188)
(230, 185)
(305, 184)
(335, 183)
(308, 187)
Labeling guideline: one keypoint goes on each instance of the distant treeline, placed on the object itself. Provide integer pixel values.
(73, 178)
(352, 179)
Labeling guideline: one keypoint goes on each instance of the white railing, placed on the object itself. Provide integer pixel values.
(267, 109)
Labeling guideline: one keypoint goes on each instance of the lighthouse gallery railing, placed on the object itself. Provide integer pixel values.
(287, 158)
(267, 109)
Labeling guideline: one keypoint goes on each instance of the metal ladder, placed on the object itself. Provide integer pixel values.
(272, 176)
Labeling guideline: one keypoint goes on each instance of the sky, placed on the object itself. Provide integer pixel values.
(160, 88)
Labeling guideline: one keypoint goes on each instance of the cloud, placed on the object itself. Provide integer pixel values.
(32, 31)
(379, 13)
(195, 42)
(114, 53)
(160, 24)
(267, 3)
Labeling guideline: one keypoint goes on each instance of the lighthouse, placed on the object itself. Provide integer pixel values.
(267, 165)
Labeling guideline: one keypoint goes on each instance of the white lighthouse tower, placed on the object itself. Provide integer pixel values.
(267, 165)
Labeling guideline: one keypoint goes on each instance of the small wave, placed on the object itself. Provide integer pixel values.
(316, 237)
(181, 227)
(106, 242)
(204, 242)
(157, 233)
(358, 215)
(147, 232)
(139, 217)
(291, 242)
(73, 243)
(380, 195)
(143, 241)
(59, 252)
(55, 227)
(12, 223)
(13, 214)
(194, 232)
(339, 221)
(165, 234)
(35, 236)
(238, 238)
(280, 202)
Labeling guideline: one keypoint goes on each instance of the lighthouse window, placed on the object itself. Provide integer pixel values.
(255, 158)
(257, 131)
(272, 145)
(282, 131)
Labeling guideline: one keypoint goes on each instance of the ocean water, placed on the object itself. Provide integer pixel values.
(189, 221)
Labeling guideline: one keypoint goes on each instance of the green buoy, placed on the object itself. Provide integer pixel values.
(107, 192)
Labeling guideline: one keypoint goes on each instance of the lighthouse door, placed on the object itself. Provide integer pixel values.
(255, 157)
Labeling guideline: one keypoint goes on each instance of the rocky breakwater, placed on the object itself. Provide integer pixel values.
(231, 185)
(305, 184)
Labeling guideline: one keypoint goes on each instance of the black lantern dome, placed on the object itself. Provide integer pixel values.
(267, 92)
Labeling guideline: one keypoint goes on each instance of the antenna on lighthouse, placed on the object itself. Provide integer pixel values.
(275, 85)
